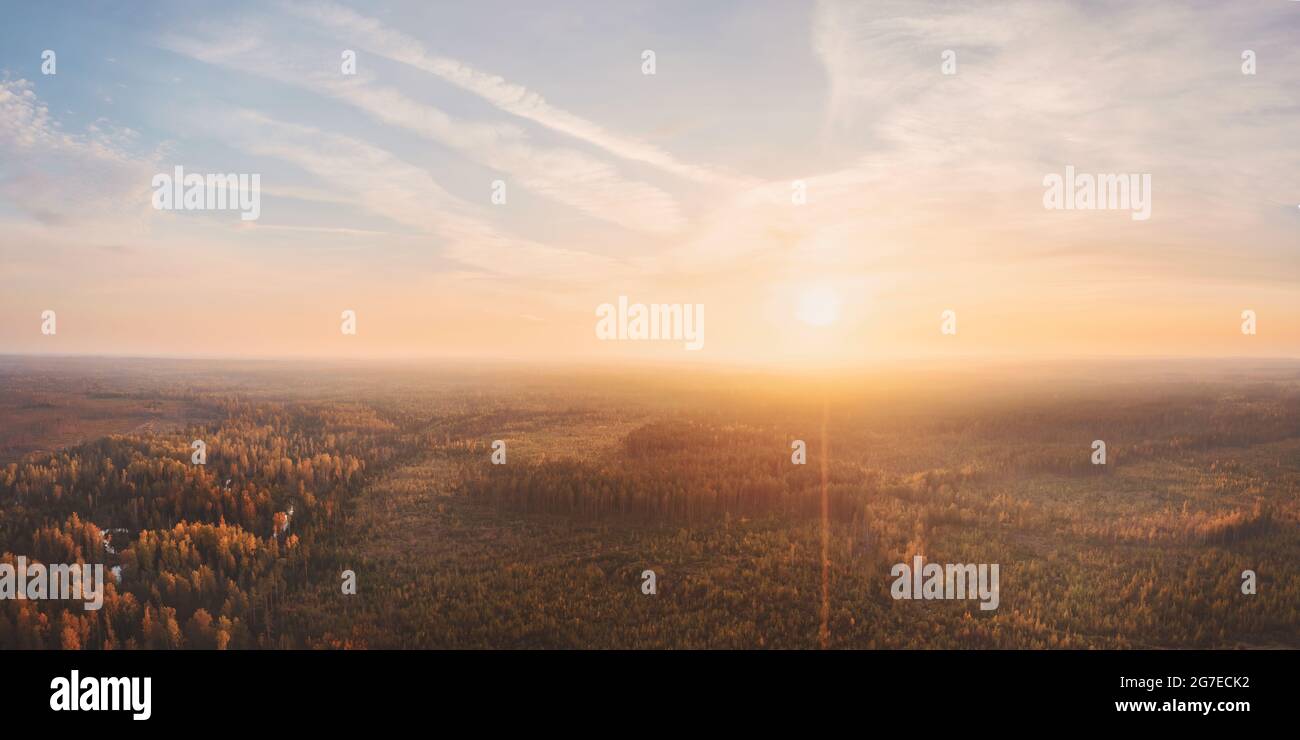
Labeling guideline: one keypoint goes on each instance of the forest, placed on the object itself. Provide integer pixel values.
(386, 473)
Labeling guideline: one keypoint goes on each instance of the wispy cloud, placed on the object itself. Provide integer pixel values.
(510, 97)
(379, 182)
(1104, 86)
(69, 180)
(564, 175)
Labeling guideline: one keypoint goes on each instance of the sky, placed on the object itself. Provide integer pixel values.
(826, 179)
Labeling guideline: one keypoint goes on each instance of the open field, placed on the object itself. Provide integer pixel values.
(386, 471)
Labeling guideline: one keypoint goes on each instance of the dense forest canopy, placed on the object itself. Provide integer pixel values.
(305, 476)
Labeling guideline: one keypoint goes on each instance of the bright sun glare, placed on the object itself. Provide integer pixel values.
(818, 305)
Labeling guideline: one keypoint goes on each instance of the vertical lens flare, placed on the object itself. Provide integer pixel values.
(824, 634)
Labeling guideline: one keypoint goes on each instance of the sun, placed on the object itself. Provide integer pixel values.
(818, 305)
